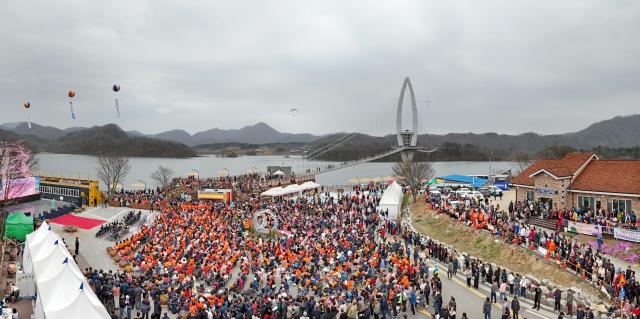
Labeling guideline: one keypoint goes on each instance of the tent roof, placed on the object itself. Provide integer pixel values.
(18, 218)
(392, 195)
(473, 181)
(18, 226)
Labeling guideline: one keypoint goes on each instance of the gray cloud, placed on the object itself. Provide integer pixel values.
(506, 66)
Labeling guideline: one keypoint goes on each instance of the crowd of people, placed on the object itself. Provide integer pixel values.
(602, 217)
(117, 229)
(329, 258)
(334, 258)
(512, 226)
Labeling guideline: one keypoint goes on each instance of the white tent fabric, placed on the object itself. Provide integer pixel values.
(33, 238)
(290, 189)
(391, 200)
(310, 185)
(62, 291)
(278, 173)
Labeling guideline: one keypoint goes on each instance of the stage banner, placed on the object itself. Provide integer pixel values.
(582, 228)
(626, 234)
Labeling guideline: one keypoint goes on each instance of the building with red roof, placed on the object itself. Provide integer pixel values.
(582, 180)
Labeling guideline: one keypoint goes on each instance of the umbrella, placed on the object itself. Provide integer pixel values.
(354, 180)
(278, 173)
(139, 184)
(365, 180)
(193, 173)
(223, 172)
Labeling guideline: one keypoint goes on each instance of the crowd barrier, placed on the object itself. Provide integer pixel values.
(55, 213)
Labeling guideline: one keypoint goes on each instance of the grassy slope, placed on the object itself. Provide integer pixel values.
(481, 244)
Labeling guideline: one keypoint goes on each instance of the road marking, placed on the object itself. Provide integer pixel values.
(424, 312)
(477, 293)
(535, 313)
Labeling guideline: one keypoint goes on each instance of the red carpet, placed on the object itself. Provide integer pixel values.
(81, 222)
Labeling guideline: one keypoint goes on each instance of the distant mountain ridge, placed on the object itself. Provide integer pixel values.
(617, 132)
(260, 133)
(98, 140)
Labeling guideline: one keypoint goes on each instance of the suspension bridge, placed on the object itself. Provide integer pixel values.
(407, 139)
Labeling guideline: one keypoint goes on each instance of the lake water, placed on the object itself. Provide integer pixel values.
(82, 166)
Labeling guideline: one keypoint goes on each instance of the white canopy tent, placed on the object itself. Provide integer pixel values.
(278, 173)
(310, 185)
(62, 291)
(391, 200)
(290, 189)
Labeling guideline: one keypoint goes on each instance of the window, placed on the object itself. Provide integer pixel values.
(585, 202)
(529, 195)
(619, 205)
(60, 191)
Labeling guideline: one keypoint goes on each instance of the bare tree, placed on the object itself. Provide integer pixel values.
(162, 176)
(112, 171)
(522, 162)
(412, 174)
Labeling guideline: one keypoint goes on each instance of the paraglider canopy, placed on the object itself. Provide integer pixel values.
(72, 93)
(116, 88)
(294, 110)
(27, 105)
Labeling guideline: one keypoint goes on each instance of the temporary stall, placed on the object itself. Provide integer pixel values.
(310, 185)
(18, 226)
(62, 290)
(290, 189)
(391, 201)
(278, 173)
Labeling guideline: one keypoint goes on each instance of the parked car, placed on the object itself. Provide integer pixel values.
(478, 195)
(463, 191)
(495, 190)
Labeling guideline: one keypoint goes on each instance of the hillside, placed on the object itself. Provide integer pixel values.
(619, 135)
(111, 140)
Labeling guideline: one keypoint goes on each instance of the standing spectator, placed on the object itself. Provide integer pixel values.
(503, 291)
(77, 246)
(494, 290)
(557, 294)
(486, 308)
(570, 299)
(536, 298)
(515, 306)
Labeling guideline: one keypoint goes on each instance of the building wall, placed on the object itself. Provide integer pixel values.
(635, 201)
(544, 181)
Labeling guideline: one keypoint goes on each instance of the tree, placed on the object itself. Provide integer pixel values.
(112, 171)
(412, 174)
(16, 181)
(162, 176)
(522, 162)
(16, 165)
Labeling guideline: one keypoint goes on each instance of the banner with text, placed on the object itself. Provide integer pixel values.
(626, 234)
(582, 228)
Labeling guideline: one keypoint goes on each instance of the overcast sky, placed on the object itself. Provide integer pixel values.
(504, 66)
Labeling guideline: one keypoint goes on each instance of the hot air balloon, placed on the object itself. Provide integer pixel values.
(71, 94)
(115, 89)
(27, 106)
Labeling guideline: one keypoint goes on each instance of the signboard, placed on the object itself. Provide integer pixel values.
(546, 191)
(626, 234)
(21, 187)
(582, 228)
